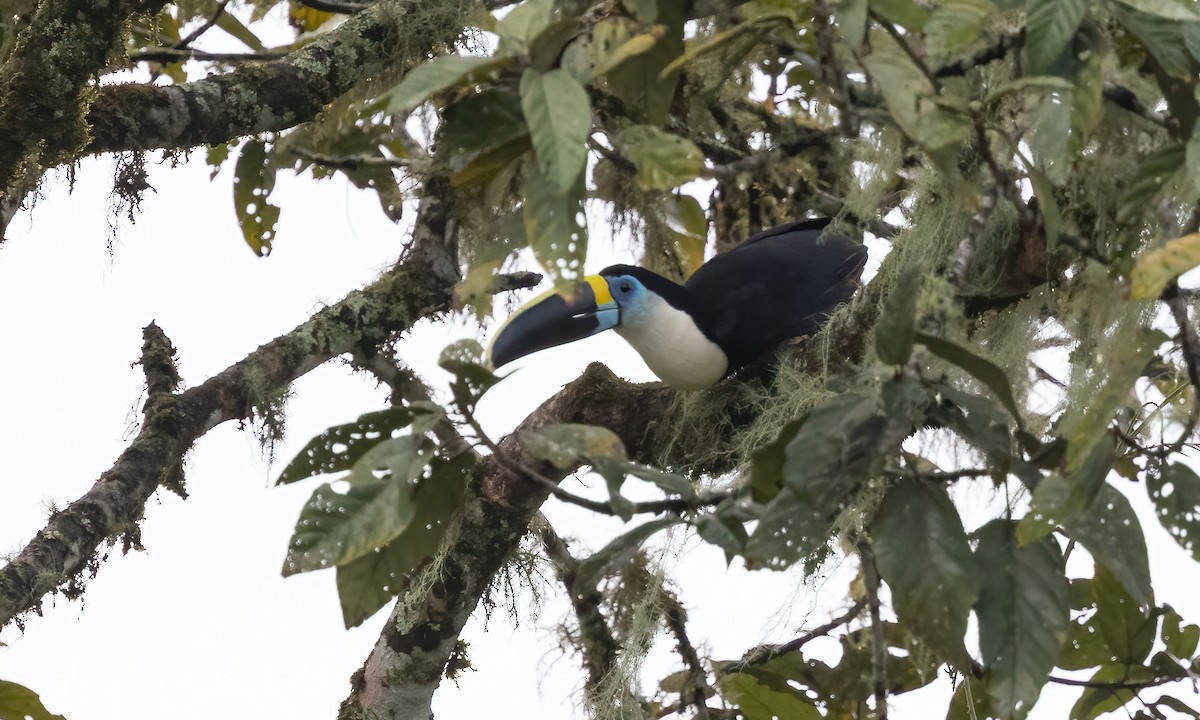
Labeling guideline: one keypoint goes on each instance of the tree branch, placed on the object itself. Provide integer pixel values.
(413, 289)
(43, 81)
(879, 653)
(595, 641)
(386, 39)
(696, 689)
(764, 653)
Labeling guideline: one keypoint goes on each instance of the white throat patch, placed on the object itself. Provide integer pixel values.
(672, 346)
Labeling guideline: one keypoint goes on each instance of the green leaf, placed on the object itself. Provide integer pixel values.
(956, 25)
(1181, 640)
(1045, 83)
(1127, 626)
(970, 701)
(18, 702)
(986, 372)
(565, 445)
(1095, 701)
(559, 117)
(336, 528)
(524, 23)
(472, 379)
(1167, 9)
(230, 24)
(646, 95)
(766, 463)
(1176, 495)
(488, 165)
(1087, 95)
(215, 156)
(1059, 497)
(1191, 152)
(905, 13)
(922, 553)
(852, 20)
(367, 584)
(611, 43)
(592, 568)
(911, 99)
(439, 74)
(1112, 535)
(684, 218)
(757, 701)
(1048, 204)
(832, 449)
(1023, 612)
(724, 531)
(663, 160)
(1050, 26)
(894, 330)
(253, 180)
(554, 224)
(1162, 37)
(1148, 181)
(1154, 269)
(978, 420)
(1177, 705)
(788, 530)
(339, 447)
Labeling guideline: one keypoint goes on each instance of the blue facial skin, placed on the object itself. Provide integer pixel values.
(629, 302)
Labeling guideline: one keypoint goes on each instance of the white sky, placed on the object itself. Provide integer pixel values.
(201, 625)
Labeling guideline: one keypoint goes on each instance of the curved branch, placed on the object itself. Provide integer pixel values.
(415, 288)
(391, 36)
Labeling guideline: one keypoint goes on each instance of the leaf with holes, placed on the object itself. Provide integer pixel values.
(367, 584)
(1023, 612)
(922, 554)
(253, 180)
(1176, 495)
(554, 224)
(611, 43)
(339, 447)
(335, 528)
(559, 116)
(1109, 530)
(759, 701)
(1050, 26)
(18, 702)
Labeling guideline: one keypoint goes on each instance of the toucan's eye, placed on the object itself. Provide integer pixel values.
(625, 286)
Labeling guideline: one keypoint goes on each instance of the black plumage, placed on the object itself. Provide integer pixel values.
(779, 284)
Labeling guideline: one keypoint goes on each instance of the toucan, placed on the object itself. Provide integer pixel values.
(779, 284)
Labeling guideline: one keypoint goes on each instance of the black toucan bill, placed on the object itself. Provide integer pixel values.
(781, 283)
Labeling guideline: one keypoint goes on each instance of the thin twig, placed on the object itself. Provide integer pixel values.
(1188, 339)
(348, 162)
(595, 641)
(340, 8)
(696, 689)
(1118, 685)
(172, 55)
(1125, 99)
(993, 52)
(878, 644)
(203, 27)
(903, 43)
(764, 653)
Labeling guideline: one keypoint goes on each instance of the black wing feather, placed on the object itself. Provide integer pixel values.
(779, 284)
